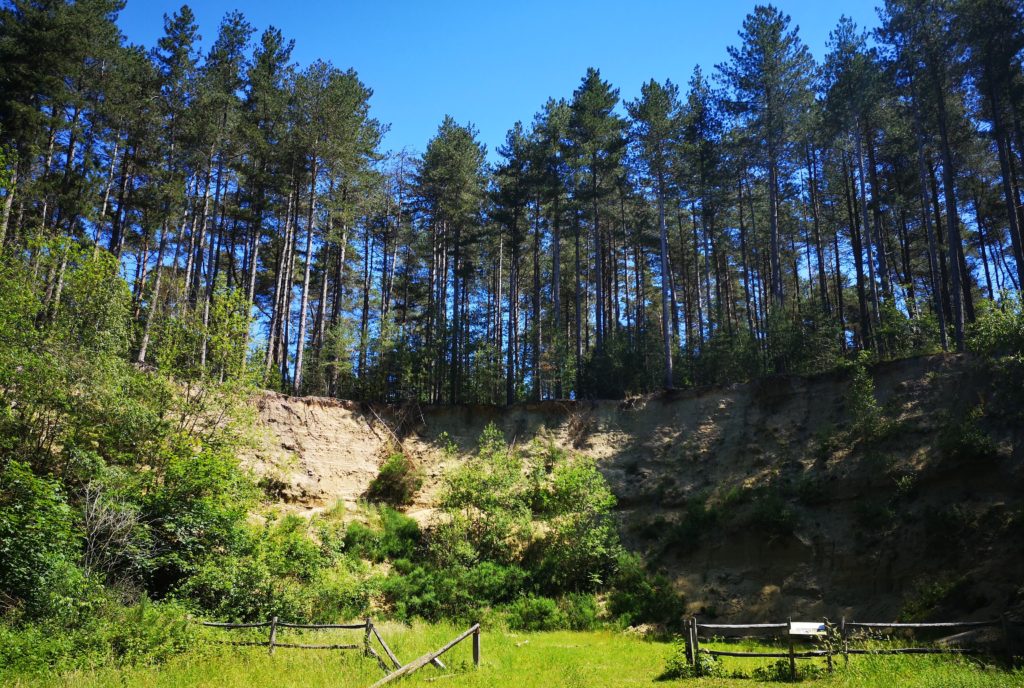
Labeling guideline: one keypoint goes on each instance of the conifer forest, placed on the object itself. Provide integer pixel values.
(772, 213)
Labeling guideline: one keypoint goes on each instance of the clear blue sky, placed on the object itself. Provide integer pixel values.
(492, 63)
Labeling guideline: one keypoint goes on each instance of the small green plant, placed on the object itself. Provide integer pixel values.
(928, 595)
(773, 514)
(579, 611)
(781, 671)
(532, 613)
(866, 420)
(448, 445)
(677, 666)
(999, 327)
(397, 482)
(967, 440)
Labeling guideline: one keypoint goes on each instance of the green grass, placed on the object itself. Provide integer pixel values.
(516, 660)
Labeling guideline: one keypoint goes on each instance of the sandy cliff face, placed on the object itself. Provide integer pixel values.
(748, 494)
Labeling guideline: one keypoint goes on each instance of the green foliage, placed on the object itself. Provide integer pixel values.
(396, 537)
(904, 336)
(866, 420)
(531, 613)
(999, 327)
(772, 513)
(929, 595)
(143, 633)
(38, 538)
(639, 597)
(967, 440)
(686, 534)
(579, 611)
(397, 481)
(529, 527)
(677, 666)
(781, 672)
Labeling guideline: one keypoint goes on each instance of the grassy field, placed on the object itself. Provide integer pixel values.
(515, 660)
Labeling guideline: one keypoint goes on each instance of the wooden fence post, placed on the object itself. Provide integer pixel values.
(792, 657)
(696, 646)
(688, 642)
(476, 647)
(829, 639)
(843, 634)
(273, 633)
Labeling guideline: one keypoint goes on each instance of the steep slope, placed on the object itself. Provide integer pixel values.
(760, 499)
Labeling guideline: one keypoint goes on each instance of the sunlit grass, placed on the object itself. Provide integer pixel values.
(516, 660)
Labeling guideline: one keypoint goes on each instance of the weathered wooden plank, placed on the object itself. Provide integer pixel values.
(282, 624)
(240, 643)
(317, 647)
(421, 662)
(387, 650)
(218, 624)
(776, 655)
(273, 634)
(741, 627)
(940, 624)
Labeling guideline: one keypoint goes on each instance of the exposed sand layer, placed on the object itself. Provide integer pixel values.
(869, 520)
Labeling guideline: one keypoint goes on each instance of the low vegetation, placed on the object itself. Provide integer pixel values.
(519, 660)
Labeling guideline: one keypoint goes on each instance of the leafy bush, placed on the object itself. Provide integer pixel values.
(865, 414)
(396, 537)
(999, 327)
(638, 597)
(38, 538)
(686, 534)
(531, 613)
(677, 667)
(967, 440)
(143, 633)
(773, 514)
(343, 591)
(459, 592)
(780, 671)
(397, 482)
(579, 611)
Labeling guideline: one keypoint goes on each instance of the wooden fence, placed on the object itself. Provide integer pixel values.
(834, 640)
(369, 632)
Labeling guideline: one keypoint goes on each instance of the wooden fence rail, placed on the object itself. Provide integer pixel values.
(836, 639)
(421, 662)
(271, 643)
(369, 631)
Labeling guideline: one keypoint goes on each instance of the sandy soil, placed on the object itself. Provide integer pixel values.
(862, 543)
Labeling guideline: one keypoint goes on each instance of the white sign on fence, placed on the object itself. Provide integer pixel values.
(806, 628)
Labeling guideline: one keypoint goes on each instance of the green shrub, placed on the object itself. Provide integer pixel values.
(998, 328)
(289, 551)
(579, 611)
(686, 534)
(457, 592)
(341, 592)
(866, 420)
(236, 588)
(531, 613)
(676, 666)
(638, 597)
(38, 546)
(396, 537)
(773, 514)
(397, 482)
(780, 671)
(144, 633)
(967, 440)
